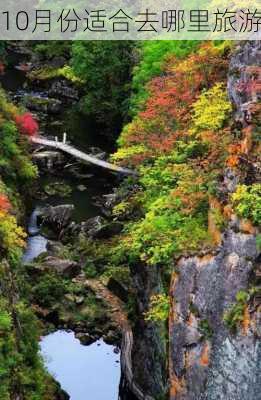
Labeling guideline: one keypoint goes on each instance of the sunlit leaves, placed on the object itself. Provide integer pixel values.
(247, 202)
(212, 108)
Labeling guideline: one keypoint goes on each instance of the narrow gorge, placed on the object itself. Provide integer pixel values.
(141, 286)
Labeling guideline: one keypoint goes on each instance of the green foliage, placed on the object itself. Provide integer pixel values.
(158, 238)
(205, 329)
(53, 48)
(22, 374)
(21, 368)
(176, 206)
(258, 242)
(247, 202)
(49, 290)
(212, 108)
(159, 308)
(90, 270)
(15, 164)
(46, 73)
(11, 237)
(2, 48)
(218, 218)
(177, 145)
(152, 55)
(235, 315)
(105, 68)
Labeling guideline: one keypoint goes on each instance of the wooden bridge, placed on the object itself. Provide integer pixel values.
(80, 155)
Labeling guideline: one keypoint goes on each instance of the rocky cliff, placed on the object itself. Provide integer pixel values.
(208, 360)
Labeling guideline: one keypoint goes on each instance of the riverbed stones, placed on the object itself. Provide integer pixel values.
(99, 228)
(66, 268)
(60, 189)
(62, 89)
(81, 188)
(86, 338)
(48, 159)
(43, 104)
(56, 218)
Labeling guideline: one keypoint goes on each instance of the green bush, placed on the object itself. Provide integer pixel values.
(235, 315)
(49, 290)
(247, 202)
(159, 308)
(105, 67)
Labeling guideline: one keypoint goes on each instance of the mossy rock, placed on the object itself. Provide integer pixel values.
(58, 189)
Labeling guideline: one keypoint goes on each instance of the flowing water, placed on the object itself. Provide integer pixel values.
(84, 372)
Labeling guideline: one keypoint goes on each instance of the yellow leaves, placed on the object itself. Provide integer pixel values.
(8, 110)
(45, 73)
(120, 208)
(211, 109)
(159, 308)
(246, 201)
(11, 235)
(125, 153)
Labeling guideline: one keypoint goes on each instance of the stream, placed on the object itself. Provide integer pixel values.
(84, 372)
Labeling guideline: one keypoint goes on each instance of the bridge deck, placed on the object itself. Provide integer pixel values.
(80, 155)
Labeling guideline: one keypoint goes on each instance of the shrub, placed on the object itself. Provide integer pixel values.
(166, 117)
(50, 289)
(212, 108)
(12, 237)
(247, 202)
(235, 315)
(153, 55)
(158, 309)
(26, 124)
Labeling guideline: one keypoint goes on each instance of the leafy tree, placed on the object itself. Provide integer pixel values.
(247, 202)
(105, 66)
(153, 55)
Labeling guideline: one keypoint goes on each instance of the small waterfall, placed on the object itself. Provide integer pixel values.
(33, 228)
(36, 243)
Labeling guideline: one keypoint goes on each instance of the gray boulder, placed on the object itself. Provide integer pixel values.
(66, 268)
(98, 227)
(56, 218)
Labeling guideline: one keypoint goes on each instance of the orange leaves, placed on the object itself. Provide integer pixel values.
(232, 161)
(169, 106)
(234, 151)
(5, 205)
(205, 355)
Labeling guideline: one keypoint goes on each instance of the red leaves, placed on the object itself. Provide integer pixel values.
(4, 203)
(26, 124)
(168, 110)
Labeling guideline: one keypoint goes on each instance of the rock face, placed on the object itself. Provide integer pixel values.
(207, 361)
(99, 228)
(45, 105)
(61, 89)
(149, 350)
(243, 70)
